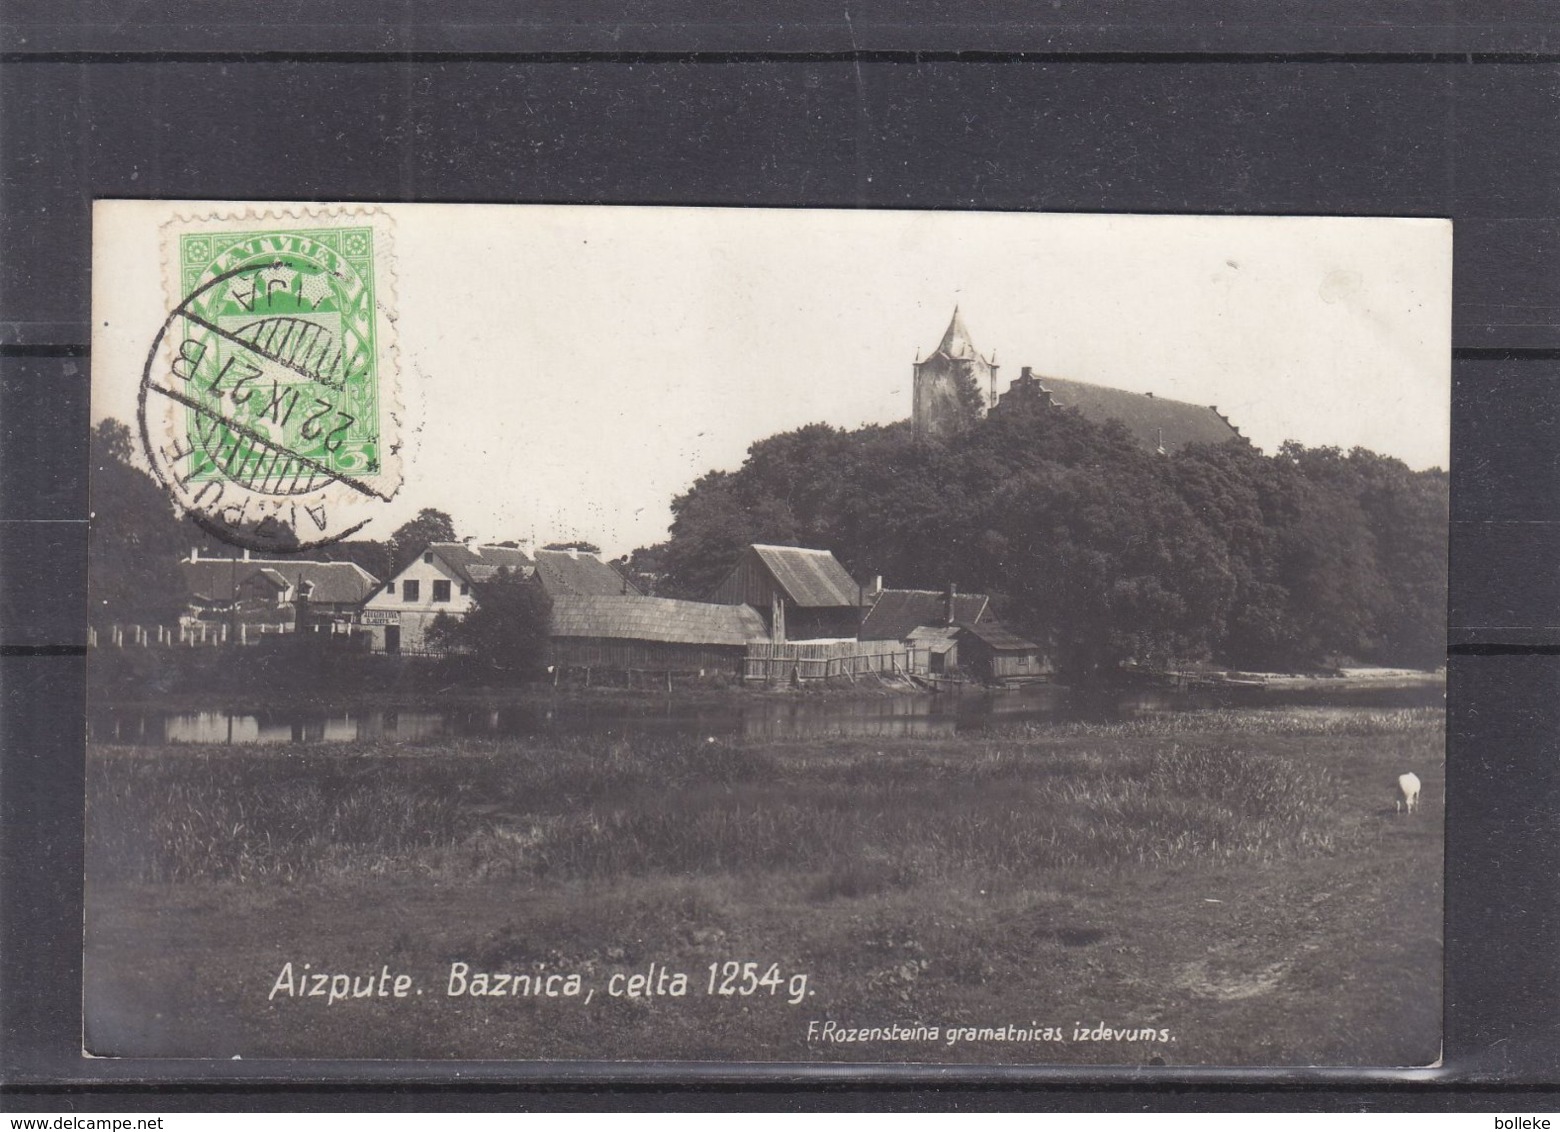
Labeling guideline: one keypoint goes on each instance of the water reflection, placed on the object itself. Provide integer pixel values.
(896, 716)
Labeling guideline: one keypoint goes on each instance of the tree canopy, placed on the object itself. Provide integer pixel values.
(505, 632)
(134, 539)
(1105, 550)
(409, 539)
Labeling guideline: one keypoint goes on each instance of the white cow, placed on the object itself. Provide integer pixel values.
(1409, 785)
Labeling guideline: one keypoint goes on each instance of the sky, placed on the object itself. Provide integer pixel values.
(567, 371)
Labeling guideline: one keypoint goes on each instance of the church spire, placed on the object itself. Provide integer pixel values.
(954, 384)
(956, 340)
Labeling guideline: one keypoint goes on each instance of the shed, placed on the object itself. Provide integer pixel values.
(630, 631)
(802, 594)
(994, 653)
(933, 649)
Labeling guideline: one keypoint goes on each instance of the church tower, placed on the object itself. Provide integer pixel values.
(954, 385)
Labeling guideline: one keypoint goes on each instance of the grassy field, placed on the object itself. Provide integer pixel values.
(1202, 888)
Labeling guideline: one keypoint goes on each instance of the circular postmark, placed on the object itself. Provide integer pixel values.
(266, 405)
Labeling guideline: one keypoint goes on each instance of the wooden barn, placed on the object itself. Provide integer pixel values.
(993, 653)
(802, 595)
(628, 632)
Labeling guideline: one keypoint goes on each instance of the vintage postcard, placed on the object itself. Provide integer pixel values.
(561, 634)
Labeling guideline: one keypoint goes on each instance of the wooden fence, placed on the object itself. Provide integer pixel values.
(194, 634)
(821, 660)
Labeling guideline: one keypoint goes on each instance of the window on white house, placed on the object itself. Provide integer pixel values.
(428, 557)
(465, 590)
(390, 588)
(441, 590)
(409, 590)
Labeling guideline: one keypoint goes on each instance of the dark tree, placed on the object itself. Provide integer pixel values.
(506, 631)
(972, 402)
(579, 544)
(1404, 514)
(134, 540)
(412, 536)
(1088, 541)
(1111, 566)
(710, 525)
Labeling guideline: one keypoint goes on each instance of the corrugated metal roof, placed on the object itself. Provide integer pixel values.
(1152, 420)
(638, 618)
(897, 612)
(812, 579)
(335, 583)
(999, 637)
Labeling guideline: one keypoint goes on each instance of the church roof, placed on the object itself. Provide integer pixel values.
(1154, 421)
(956, 342)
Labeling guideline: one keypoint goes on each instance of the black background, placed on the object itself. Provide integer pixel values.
(1393, 109)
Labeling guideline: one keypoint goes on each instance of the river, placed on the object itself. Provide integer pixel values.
(748, 717)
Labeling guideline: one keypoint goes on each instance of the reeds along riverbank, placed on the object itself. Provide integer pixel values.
(1172, 789)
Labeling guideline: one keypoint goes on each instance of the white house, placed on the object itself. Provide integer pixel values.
(438, 580)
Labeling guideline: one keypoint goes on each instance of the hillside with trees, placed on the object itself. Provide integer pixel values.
(1108, 551)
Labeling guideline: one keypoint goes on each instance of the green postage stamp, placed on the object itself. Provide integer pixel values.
(270, 403)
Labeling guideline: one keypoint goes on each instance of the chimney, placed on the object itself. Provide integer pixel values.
(246, 554)
(194, 554)
(302, 594)
(952, 594)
